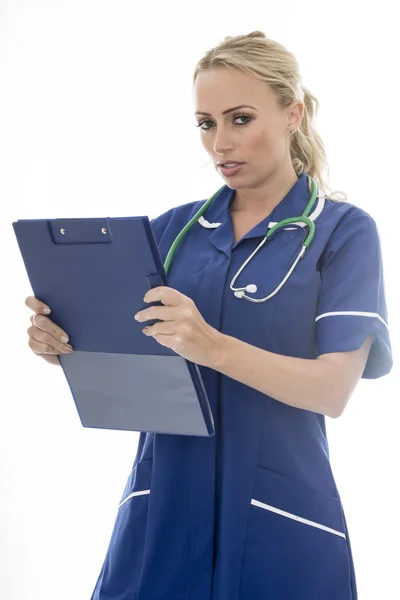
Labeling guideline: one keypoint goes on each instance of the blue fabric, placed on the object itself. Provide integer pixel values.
(353, 286)
(253, 512)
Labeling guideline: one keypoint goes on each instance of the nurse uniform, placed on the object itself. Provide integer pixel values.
(253, 513)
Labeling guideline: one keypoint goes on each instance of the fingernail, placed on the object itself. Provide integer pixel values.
(47, 310)
(65, 339)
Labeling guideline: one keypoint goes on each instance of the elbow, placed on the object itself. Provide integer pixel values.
(337, 405)
(335, 389)
(335, 414)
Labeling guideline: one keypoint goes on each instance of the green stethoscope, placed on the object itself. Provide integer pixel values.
(252, 288)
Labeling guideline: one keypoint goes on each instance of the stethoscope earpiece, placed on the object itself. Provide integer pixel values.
(250, 289)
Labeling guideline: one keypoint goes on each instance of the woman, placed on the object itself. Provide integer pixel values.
(253, 512)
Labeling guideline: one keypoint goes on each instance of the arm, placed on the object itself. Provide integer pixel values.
(323, 385)
(351, 321)
(351, 331)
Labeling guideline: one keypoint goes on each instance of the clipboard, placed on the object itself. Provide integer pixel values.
(94, 273)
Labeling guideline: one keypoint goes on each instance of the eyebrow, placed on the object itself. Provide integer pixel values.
(225, 112)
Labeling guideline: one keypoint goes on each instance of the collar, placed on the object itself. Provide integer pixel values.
(292, 205)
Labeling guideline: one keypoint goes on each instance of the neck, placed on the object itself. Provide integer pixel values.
(263, 197)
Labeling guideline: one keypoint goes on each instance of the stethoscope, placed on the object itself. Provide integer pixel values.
(252, 288)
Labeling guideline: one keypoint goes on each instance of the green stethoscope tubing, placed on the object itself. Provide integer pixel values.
(302, 219)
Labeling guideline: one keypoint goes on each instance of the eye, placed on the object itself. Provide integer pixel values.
(234, 118)
(243, 117)
(202, 123)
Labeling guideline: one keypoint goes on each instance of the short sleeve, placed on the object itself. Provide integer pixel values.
(352, 303)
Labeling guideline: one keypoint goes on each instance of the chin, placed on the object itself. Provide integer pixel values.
(235, 182)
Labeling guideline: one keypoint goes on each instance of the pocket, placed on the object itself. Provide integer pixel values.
(138, 483)
(295, 545)
(120, 573)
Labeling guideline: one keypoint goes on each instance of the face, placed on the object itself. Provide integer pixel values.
(256, 134)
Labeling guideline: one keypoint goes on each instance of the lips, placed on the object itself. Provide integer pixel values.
(230, 171)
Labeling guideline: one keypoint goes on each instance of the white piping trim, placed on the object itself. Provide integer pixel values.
(283, 513)
(202, 221)
(142, 493)
(354, 313)
(313, 216)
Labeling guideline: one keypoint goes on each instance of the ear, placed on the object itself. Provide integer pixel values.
(295, 114)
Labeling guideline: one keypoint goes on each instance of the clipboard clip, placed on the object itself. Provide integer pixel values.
(154, 280)
(80, 231)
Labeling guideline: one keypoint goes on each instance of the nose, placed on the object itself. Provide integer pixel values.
(222, 144)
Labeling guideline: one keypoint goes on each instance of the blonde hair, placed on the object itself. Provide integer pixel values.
(269, 61)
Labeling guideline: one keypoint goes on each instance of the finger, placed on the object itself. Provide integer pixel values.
(42, 342)
(165, 313)
(45, 324)
(163, 328)
(53, 360)
(37, 306)
(169, 341)
(166, 295)
(43, 349)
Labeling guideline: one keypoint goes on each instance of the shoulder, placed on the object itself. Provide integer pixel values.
(345, 212)
(346, 220)
(350, 231)
(174, 219)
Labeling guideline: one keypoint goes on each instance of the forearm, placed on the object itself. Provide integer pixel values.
(303, 383)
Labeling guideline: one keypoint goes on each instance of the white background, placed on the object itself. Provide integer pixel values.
(96, 113)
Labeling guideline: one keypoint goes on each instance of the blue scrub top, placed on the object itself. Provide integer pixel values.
(253, 513)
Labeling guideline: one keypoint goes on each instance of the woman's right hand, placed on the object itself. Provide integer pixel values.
(45, 337)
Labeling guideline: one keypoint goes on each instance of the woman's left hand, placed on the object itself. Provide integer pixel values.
(182, 329)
